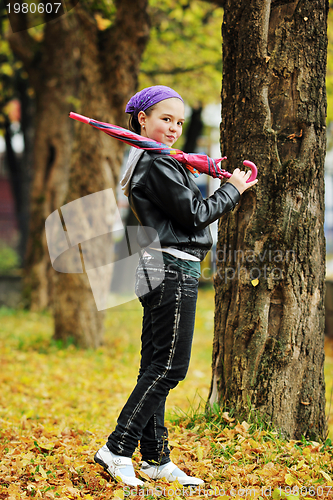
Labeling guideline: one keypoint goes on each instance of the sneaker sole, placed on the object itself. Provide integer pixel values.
(100, 462)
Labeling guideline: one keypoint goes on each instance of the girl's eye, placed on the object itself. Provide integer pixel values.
(180, 123)
(166, 119)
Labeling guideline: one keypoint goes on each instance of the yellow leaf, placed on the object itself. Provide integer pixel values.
(325, 475)
(42, 472)
(174, 444)
(143, 475)
(6, 69)
(245, 426)
(278, 493)
(226, 417)
(289, 479)
(174, 454)
(255, 282)
(119, 494)
(176, 485)
(200, 452)
(101, 22)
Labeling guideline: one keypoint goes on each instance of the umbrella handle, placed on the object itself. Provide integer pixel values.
(78, 117)
(253, 167)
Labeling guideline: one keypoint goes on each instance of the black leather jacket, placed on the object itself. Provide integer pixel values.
(164, 196)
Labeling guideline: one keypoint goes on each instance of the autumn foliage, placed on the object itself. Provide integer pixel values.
(58, 405)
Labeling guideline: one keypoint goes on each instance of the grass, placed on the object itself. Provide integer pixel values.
(59, 403)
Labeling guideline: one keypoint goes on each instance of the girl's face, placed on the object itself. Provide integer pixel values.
(165, 122)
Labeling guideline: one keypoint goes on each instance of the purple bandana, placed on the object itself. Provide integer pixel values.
(148, 97)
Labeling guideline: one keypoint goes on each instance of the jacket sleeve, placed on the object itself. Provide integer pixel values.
(166, 187)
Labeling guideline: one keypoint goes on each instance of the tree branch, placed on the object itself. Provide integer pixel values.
(22, 44)
(177, 69)
(219, 3)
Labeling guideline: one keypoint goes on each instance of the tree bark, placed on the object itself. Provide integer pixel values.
(71, 160)
(268, 351)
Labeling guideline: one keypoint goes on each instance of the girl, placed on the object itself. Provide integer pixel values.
(163, 196)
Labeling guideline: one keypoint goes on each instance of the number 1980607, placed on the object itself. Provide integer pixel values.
(49, 8)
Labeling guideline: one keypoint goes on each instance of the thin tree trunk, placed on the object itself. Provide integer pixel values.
(26, 172)
(268, 351)
(194, 130)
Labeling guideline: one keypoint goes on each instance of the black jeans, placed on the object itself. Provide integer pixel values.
(166, 341)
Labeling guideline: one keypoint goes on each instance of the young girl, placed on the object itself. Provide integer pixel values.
(163, 196)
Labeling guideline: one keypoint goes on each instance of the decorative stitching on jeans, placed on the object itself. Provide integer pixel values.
(155, 427)
(159, 377)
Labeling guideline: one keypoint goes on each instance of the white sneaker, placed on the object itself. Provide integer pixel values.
(171, 473)
(120, 468)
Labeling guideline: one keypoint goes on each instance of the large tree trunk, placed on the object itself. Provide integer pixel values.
(72, 160)
(268, 351)
(53, 79)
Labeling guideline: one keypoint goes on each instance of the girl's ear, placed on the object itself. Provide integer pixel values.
(141, 118)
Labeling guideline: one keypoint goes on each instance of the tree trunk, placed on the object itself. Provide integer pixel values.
(54, 80)
(72, 160)
(26, 170)
(194, 130)
(268, 351)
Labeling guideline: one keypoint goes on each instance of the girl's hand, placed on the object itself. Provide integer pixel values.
(239, 178)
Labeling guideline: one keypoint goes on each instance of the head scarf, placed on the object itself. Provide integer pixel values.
(148, 97)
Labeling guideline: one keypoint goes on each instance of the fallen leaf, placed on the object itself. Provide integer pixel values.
(325, 475)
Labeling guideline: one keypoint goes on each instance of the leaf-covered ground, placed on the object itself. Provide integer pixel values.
(58, 405)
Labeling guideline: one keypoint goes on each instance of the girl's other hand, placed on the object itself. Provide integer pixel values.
(239, 178)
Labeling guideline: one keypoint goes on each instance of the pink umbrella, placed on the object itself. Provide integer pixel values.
(196, 163)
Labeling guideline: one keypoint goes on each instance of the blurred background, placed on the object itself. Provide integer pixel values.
(183, 50)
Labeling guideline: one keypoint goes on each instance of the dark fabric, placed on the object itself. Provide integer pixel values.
(164, 196)
(168, 322)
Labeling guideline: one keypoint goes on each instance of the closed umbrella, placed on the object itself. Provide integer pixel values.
(196, 163)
